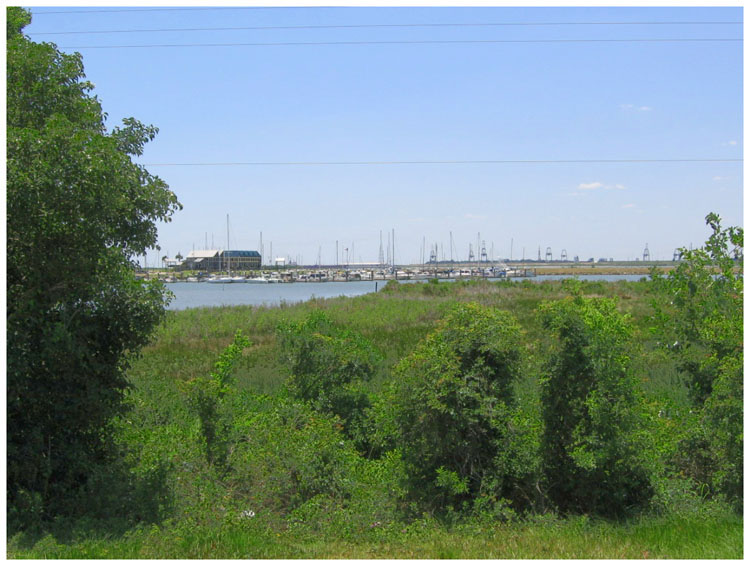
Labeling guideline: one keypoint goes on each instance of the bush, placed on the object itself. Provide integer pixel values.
(699, 318)
(698, 307)
(723, 417)
(591, 451)
(329, 367)
(205, 396)
(291, 460)
(450, 410)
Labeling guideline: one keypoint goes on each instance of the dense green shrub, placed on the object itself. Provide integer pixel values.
(698, 307)
(287, 453)
(290, 459)
(205, 396)
(592, 454)
(434, 288)
(699, 318)
(329, 367)
(723, 415)
(450, 410)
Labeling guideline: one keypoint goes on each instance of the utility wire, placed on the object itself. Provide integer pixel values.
(183, 9)
(446, 162)
(362, 26)
(411, 42)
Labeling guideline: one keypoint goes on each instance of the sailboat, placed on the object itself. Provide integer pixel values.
(219, 279)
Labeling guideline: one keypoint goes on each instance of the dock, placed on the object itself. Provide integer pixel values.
(344, 274)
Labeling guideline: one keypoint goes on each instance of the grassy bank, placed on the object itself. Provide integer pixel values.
(295, 486)
(594, 269)
(709, 537)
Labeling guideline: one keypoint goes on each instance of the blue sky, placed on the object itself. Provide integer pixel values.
(386, 102)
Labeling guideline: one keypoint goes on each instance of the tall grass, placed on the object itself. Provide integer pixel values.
(718, 536)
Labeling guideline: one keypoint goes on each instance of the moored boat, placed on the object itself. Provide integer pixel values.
(260, 279)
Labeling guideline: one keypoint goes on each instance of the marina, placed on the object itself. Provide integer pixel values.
(332, 274)
(204, 294)
(370, 272)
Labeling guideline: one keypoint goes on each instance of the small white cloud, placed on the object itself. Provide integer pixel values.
(634, 108)
(590, 186)
(717, 178)
(644, 108)
(628, 206)
(599, 185)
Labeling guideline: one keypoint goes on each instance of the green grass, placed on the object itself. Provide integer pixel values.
(709, 537)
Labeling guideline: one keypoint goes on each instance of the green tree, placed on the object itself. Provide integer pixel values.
(78, 210)
(699, 318)
(451, 410)
(591, 450)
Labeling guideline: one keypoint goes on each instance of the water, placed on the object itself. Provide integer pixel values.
(190, 295)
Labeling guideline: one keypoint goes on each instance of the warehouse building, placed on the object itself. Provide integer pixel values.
(202, 260)
(221, 260)
(240, 260)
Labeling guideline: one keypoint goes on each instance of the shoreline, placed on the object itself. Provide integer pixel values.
(597, 270)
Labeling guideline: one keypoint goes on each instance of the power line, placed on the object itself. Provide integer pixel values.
(183, 9)
(410, 42)
(446, 162)
(362, 26)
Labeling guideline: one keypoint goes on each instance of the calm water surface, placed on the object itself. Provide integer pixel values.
(190, 295)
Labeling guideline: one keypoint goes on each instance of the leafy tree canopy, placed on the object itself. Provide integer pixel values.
(78, 210)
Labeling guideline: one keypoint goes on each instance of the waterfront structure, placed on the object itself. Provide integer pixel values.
(202, 260)
(209, 261)
(241, 260)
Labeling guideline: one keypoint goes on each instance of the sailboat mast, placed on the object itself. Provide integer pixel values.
(393, 242)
